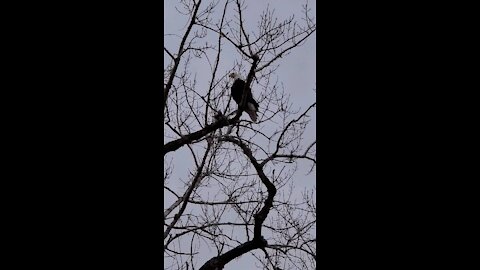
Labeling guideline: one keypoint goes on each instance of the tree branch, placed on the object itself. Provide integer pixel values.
(187, 194)
(176, 60)
(258, 242)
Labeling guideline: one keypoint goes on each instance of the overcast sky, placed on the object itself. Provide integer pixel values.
(296, 72)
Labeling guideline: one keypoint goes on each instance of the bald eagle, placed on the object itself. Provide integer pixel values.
(237, 91)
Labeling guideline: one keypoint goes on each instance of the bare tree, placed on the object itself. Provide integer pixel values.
(229, 181)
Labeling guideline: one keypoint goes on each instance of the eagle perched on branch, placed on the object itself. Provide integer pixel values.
(237, 92)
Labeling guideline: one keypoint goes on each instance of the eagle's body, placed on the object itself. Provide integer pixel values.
(237, 92)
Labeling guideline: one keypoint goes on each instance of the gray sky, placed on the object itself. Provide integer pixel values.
(296, 72)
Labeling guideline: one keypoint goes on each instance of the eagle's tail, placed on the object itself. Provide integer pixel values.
(252, 112)
(253, 115)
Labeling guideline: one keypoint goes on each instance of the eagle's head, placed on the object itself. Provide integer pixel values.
(234, 76)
